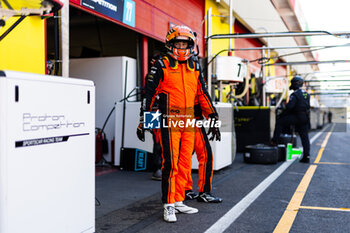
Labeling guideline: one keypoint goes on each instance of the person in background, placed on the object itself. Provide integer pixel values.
(296, 113)
(205, 165)
(157, 157)
(330, 117)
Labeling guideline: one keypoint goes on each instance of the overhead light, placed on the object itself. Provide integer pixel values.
(217, 0)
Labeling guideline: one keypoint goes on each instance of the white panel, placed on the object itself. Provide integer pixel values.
(132, 113)
(230, 69)
(223, 151)
(50, 185)
(3, 158)
(108, 74)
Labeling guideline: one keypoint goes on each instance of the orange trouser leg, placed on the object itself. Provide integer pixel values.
(189, 184)
(184, 164)
(205, 160)
(170, 143)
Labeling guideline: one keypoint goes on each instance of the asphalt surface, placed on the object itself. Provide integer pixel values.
(130, 201)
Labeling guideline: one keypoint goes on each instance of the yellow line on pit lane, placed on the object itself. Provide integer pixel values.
(319, 155)
(324, 208)
(333, 163)
(290, 213)
(288, 217)
(318, 158)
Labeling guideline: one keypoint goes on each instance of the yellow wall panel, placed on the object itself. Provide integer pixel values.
(23, 49)
(218, 27)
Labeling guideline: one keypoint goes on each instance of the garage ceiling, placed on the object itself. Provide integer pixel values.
(273, 16)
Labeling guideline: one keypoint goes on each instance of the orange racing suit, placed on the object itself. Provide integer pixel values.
(176, 85)
(204, 156)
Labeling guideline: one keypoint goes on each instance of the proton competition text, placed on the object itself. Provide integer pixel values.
(47, 122)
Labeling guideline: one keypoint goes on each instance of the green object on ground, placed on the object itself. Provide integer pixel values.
(292, 151)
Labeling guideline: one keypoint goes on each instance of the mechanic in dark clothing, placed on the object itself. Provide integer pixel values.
(157, 150)
(296, 113)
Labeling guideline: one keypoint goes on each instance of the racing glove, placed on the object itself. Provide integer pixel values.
(140, 132)
(214, 131)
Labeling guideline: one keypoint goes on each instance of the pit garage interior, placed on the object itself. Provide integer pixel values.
(104, 43)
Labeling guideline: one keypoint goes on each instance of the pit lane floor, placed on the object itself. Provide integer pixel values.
(302, 197)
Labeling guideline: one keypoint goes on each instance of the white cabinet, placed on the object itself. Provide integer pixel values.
(47, 150)
(109, 75)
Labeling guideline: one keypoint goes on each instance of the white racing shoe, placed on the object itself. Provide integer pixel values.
(180, 207)
(169, 213)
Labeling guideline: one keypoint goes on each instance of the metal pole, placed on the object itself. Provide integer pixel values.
(57, 43)
(331, 93)
(307, 62)
(124, 106)
(325, 72)
(327, 80)
(289, 47)
(278, 34)
(329, 86)
(269, 62)
(264, 80)
(285, 91)
(221, 88)
(209, 13)
(325, 89)
(230, 30)
(288, 80)
(65, 38)
(316, 80)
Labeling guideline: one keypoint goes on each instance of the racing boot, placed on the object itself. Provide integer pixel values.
(208, 198)
(157, 175)
(305, 159)
(169, 213)
(180, 207)
(190, 195)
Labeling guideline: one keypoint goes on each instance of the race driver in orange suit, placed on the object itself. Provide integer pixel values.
(205, 165)
(176, 81)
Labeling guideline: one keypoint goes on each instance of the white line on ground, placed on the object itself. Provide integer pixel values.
(225, 221)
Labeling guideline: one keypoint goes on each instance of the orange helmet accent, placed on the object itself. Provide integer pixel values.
(180, 33)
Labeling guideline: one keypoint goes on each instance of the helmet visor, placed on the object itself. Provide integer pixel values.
(189, 44)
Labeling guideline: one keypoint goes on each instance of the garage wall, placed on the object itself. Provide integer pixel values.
(152, 17)
(23, 49)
